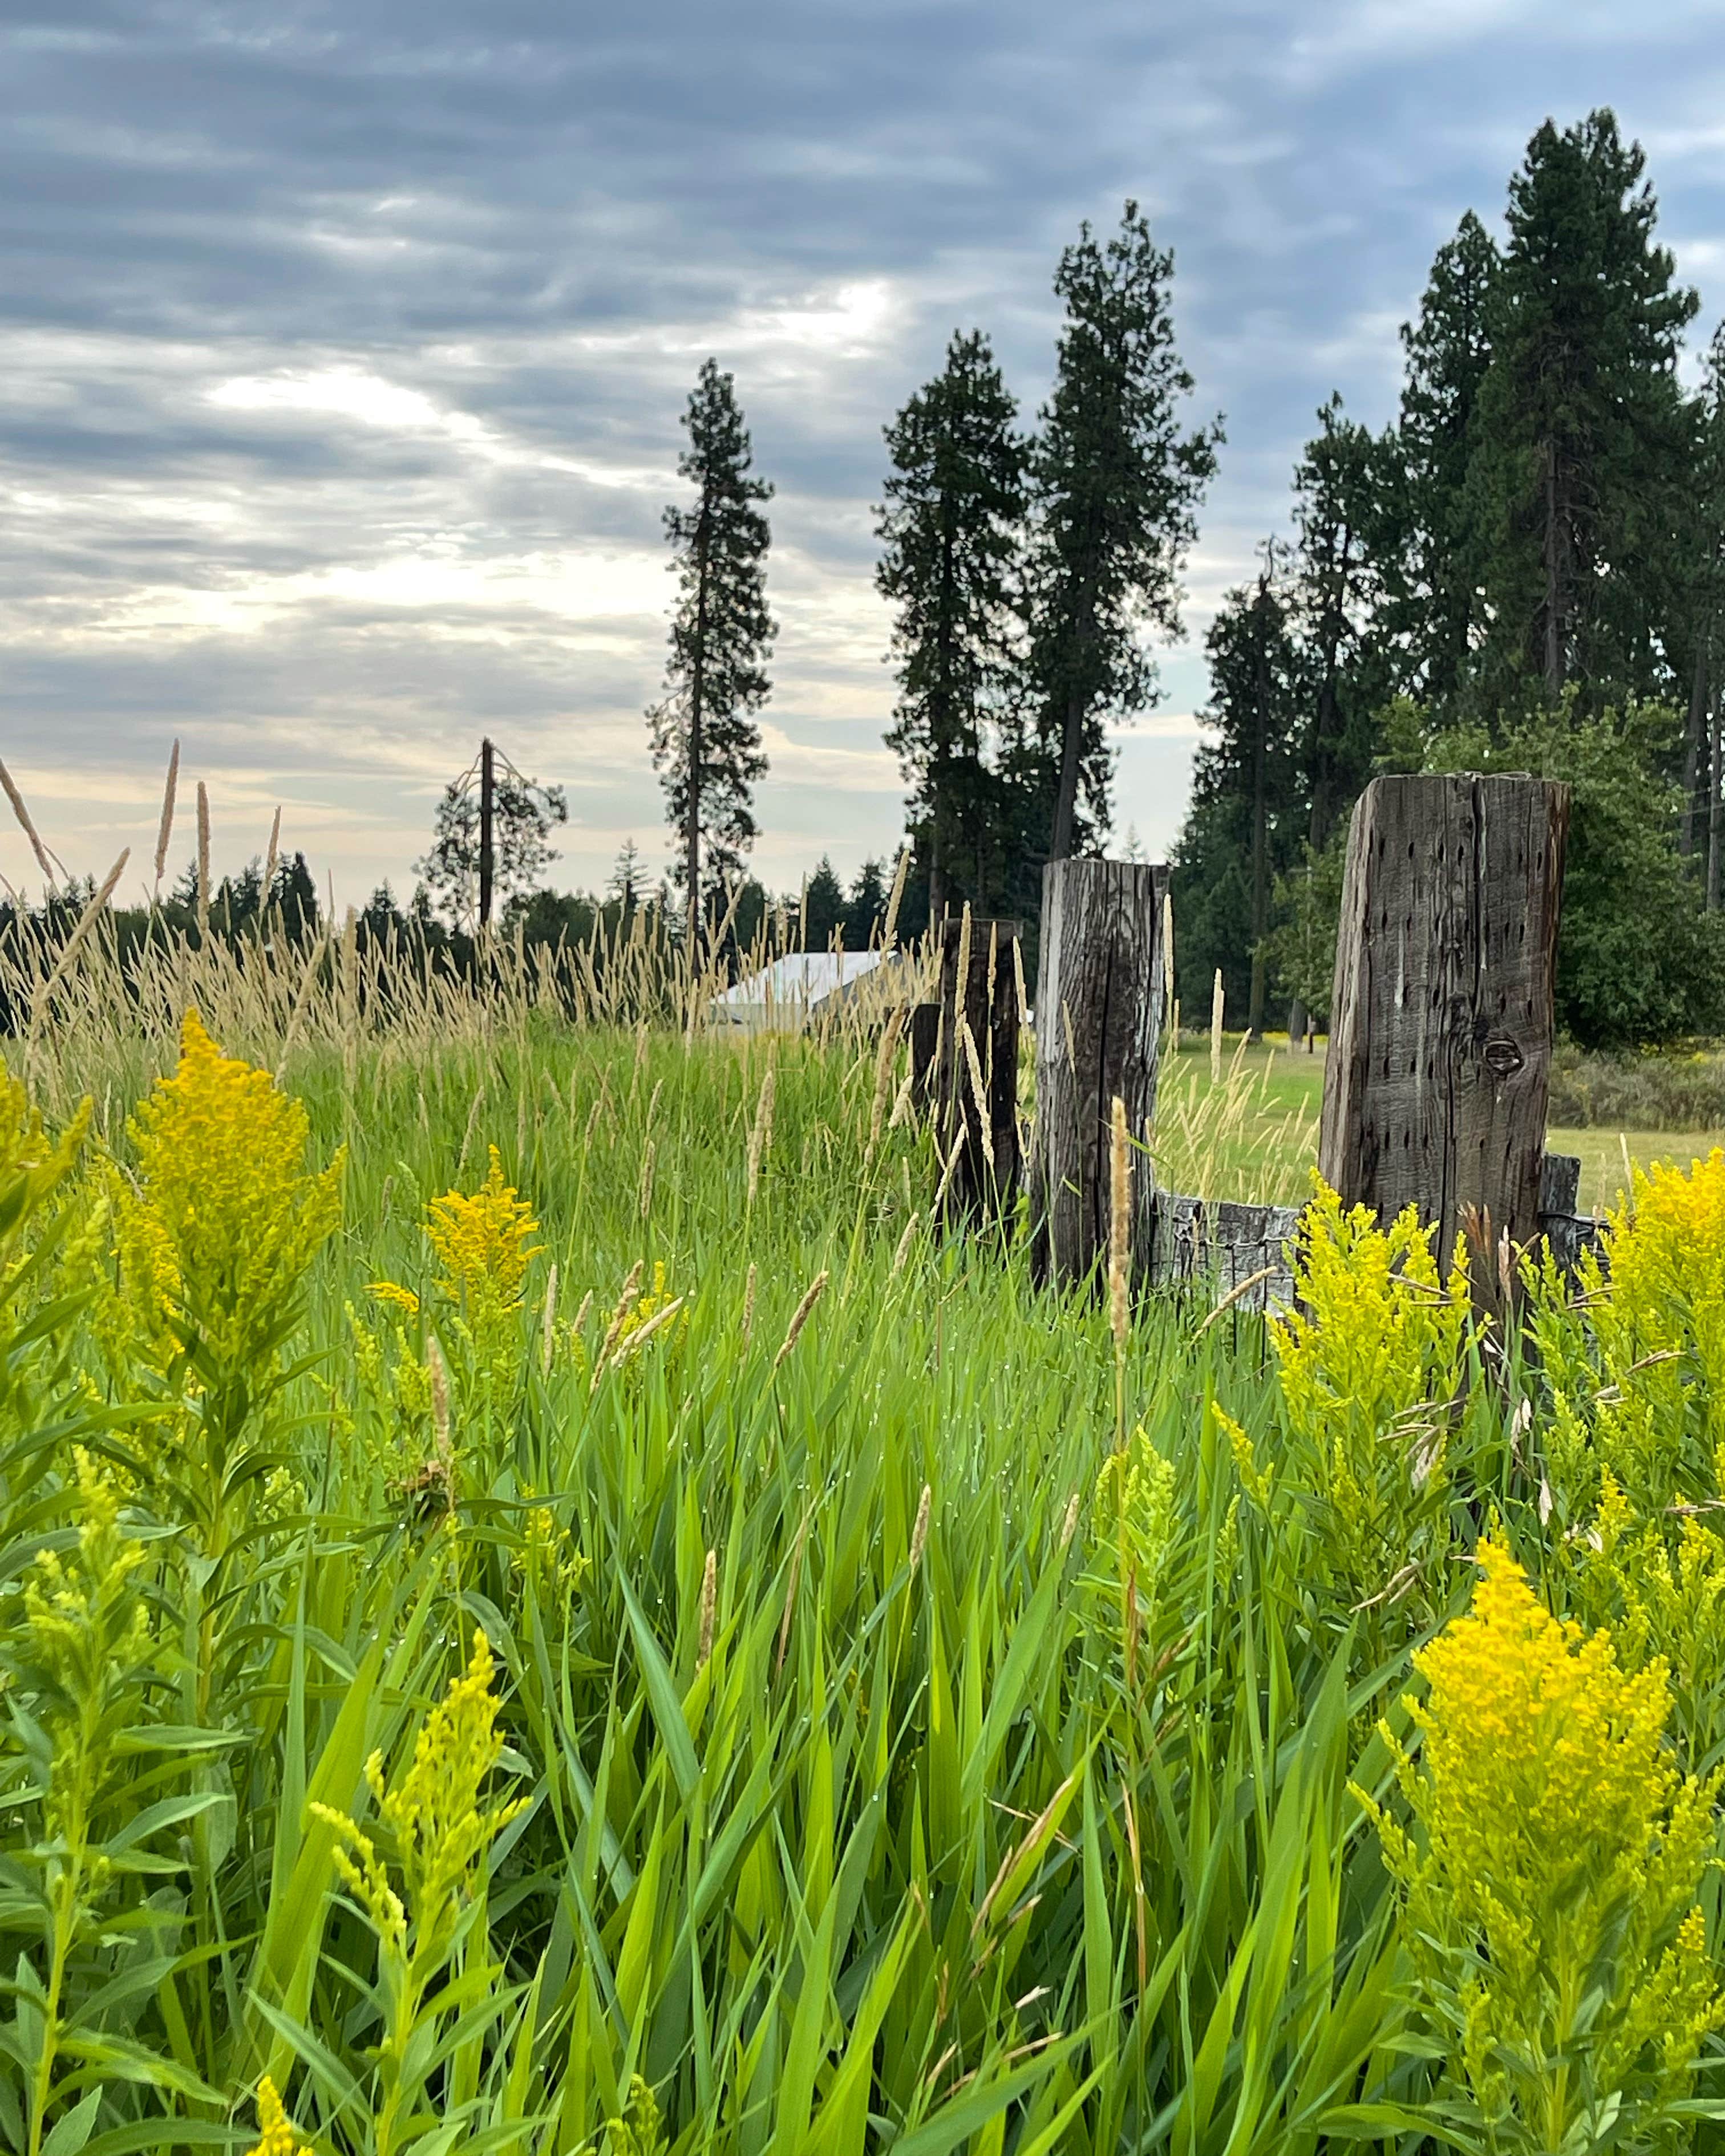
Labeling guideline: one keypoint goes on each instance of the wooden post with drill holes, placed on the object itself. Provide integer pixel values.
(1441, 1027)
(1099, 1005)
(975, 1075)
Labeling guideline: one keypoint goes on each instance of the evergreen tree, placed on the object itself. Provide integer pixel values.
(707, 745)
(1339, 510)
(628, 878)
(951, 527)
(1582, 431)
(1433, 561)
(1247, 819)
(1117, 487)
(866, 913)
(823, 908)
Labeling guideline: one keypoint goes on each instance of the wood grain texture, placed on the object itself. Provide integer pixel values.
(1099, 997)
(977, 1067)
(1440, 1026)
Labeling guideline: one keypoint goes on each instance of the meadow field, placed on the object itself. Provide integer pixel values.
(548, 1609)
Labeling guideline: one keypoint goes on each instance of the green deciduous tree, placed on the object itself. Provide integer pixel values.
(706, 745)
(951, 528)
(1118, 484)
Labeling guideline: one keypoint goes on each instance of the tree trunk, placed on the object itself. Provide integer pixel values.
(1714, 807)
(1261, 836)
(1065, 814)
(1693, 728)
(1556, 571)
(1440, 1030)
(697, 699)
(1099, 999)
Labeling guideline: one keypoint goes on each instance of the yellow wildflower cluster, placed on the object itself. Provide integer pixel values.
(1372, 1363)
(226, 1217)
(1550, 1894)
(432, 1818)
(483, 1242)
(1660, 1597)
(276, 2134)
(1636, 1362)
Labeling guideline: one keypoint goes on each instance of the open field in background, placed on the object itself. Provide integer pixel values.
(1268, 1135)
(822, 1693)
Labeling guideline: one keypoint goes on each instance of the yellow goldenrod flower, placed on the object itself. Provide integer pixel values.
(432, 1815)
(1371, 1363)
(227, 1217)
(1549, 1887)
(276, 2134)
(482, 1241)
(397, 1296)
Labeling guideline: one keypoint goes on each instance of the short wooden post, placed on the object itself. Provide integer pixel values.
(1441, 1027)
(977, 1080)
(1099, 1000)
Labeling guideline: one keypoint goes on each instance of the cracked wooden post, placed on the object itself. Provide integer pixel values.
(1099, 1001)
(1441, 1031)
(975, 1075)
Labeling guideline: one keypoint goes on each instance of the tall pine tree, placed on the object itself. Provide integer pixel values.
(1582, 430)
(1339, 488)
(1117, 485)
(1432, 563)
(952, 529)
(1246, 824)
(707, 745)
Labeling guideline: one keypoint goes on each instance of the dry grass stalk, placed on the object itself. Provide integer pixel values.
(273, 856)
(919, 1533)
(69, 949)
(891, 930)
(748, 1304)
(760, 1135)
(165, 829)
(202, 858)
(960, 996)
(23, 814)
(1017, 974)
(582, 1313)
(648, 1154)
(973, 1064)
(1069, 1526)
(883, 1074)
(1120, 1196)
(709, 1607)
(946, 1174)
(799, 1316)
(548, 1329)
(618, 1317)
(1176, 1026)
(439, 1371)
(903, 1251)
(1216, 1002)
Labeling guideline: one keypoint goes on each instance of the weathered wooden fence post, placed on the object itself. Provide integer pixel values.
(1099, 1001)
(925, 1034)
(977, 1080)
(1440, 1025)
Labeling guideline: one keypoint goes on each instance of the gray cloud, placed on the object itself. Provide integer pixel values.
(343, 347)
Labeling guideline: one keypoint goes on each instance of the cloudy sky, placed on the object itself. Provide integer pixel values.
(344, 347)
